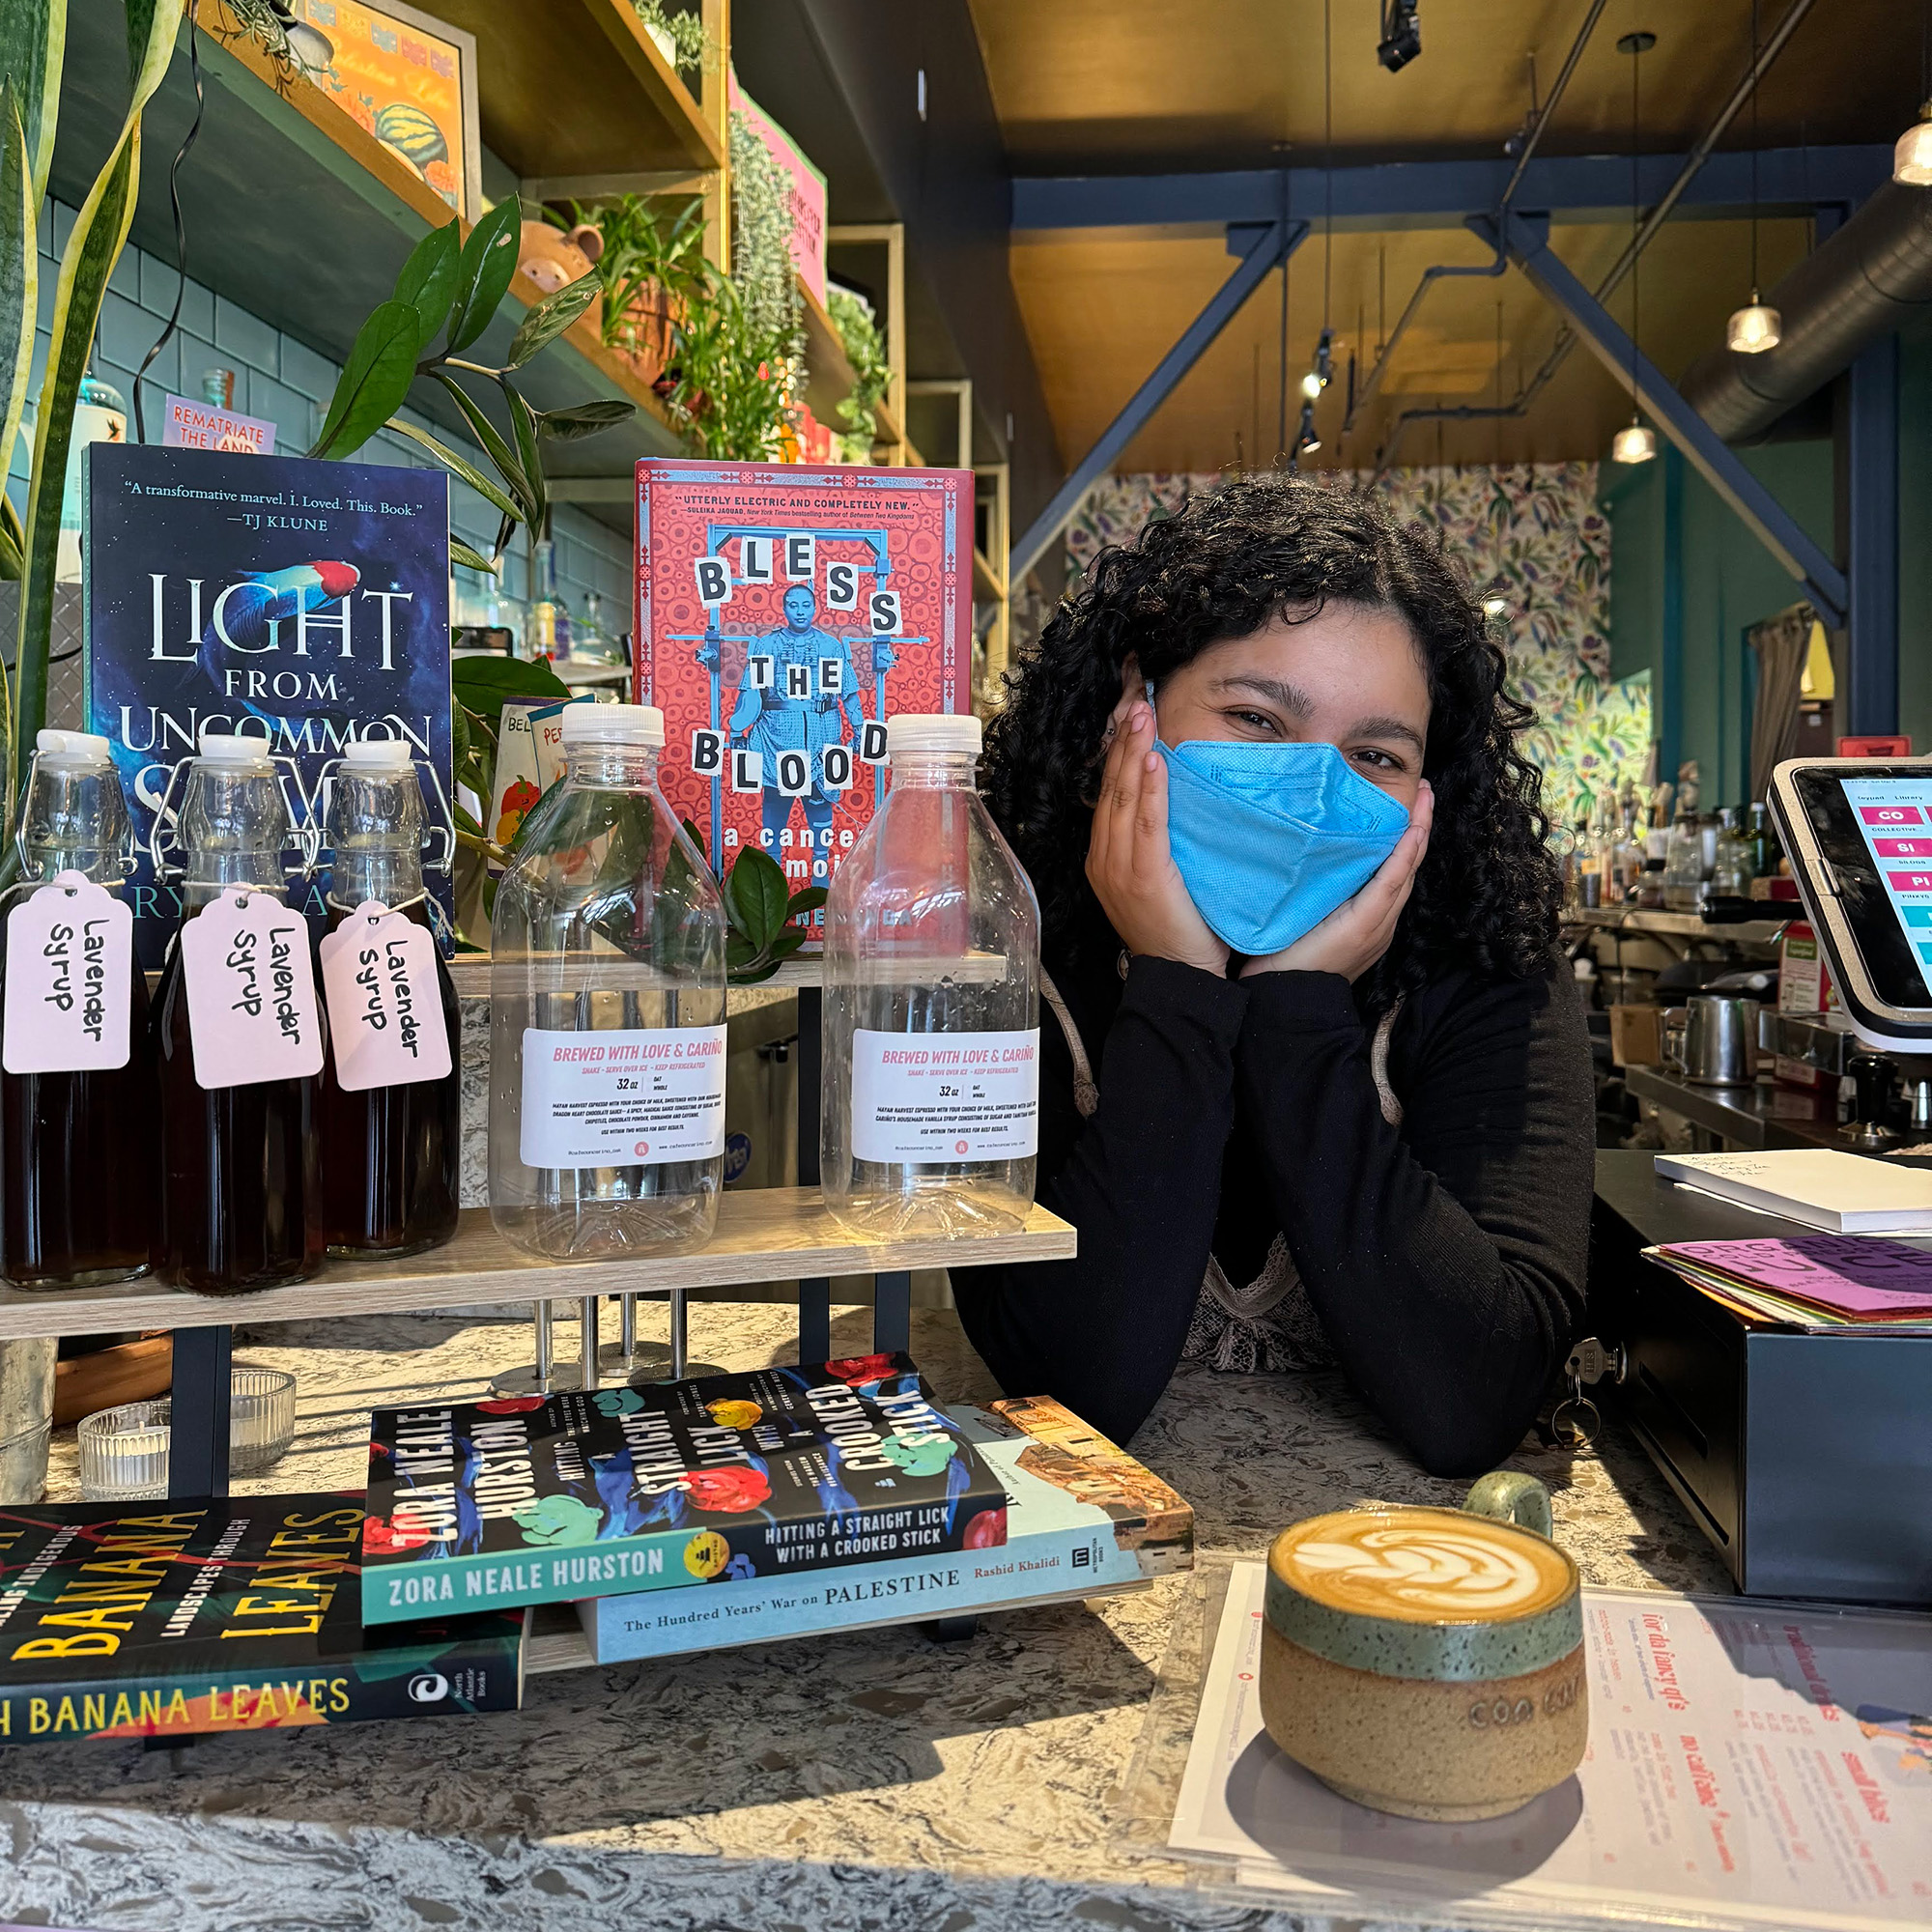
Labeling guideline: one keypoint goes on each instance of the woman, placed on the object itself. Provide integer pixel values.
(1289, 1138)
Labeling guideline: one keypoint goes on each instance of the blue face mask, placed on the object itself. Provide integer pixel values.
(1271, 838)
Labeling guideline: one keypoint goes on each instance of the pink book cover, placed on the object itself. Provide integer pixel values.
(1856, 1275)
(783, 613)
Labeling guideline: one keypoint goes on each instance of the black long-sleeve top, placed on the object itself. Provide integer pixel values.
(1444, 1257)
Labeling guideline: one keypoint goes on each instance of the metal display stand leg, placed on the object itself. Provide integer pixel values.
(814, 1298)
(198, 1413)
(533, 1377)
(627, 1358)
(891, 1313)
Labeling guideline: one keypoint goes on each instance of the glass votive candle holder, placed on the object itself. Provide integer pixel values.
(123, 1452)
(260, 1419)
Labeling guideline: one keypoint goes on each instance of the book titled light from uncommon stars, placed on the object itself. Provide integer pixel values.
(534, 1499)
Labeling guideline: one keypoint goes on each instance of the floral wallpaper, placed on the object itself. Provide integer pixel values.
(1532, 532)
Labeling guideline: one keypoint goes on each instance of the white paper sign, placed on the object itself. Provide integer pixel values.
(386, 1021)
(623, 1097)
(251, 1006)
(943, 1097)
(70, 973)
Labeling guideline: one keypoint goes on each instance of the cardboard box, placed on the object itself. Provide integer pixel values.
(1636, 1035)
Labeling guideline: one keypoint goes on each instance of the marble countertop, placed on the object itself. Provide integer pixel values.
(838, 1783)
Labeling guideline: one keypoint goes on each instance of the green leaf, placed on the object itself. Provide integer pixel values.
(755, 896)
(740, 952)
(695, 836)
(583, 419)
(428, 281)
(807, 900)
(498, 451)
(466, 823)
(459, 467)
(461, 552)
(551, 316)
(19, 270)
(382, 364)
(483, 683)
(788, 942)
(33, 47)
(525, 424)
(483, 273)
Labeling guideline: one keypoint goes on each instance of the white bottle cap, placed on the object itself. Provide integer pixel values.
(78, 748)
(376, 755)
(226, 748)
(932, 731)
(614, 725)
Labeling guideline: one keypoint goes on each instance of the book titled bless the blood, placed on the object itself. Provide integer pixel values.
(784, 613)
(533, 1499)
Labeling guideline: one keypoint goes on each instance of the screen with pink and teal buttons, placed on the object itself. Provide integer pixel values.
(1894, 817)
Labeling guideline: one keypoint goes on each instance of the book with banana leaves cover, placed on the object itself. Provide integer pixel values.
(537, 1499)
(172, 1617)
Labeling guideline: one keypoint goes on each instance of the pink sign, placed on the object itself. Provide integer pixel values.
(1891, 815)
(190, 425)
(1904, 848)
(808, 189)
(1911, 882)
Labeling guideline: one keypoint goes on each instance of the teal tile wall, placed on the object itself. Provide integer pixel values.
(288, 383)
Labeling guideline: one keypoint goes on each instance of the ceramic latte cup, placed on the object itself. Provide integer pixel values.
(1428, 1661)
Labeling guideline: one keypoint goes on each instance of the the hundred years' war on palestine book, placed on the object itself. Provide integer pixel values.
(1083, 1519)
(548, 1498)
(784, 613)
(305, 602)
(230, 1613)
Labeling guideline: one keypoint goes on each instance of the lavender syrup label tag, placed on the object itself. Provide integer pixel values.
(70, 972)
(385, 1022)
(251, 1006)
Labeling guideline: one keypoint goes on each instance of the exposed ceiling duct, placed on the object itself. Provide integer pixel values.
(1874, 276)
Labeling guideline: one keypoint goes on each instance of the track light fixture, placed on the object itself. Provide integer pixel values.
(1306, 439)
(1401, 34)
(1325, 356)
(1311, 386)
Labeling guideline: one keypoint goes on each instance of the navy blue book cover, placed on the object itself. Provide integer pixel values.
(305, 602)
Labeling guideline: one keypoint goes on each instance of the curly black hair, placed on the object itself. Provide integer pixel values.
(1227, 563)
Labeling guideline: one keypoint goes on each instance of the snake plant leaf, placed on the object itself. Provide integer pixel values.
(33, 47)
(428, 281)
(470, 559)
(461, 467)
(380, 367)
(582, 419)
(19, 282)
(483, 273)
(524, 423)
(551, 316)
(497, 451)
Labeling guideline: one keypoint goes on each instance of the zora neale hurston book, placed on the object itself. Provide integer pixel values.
(535, 1499)
(305, 602)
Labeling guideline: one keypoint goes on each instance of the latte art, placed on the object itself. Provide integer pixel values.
(1420, 1565)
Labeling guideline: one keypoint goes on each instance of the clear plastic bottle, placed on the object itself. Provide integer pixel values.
(62, 1135)
(241, 1171)
(390, 1155)
(607, 1011)
(931, 1016)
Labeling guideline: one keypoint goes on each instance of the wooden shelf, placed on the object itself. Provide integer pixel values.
(767, 1233)
(297, 215)
(1639, 920)
(577, 87)
(988, 585)
(469, 973)
(829, 379)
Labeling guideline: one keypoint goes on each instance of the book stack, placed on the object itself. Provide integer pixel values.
(1819, 1283)
(1823, 1187)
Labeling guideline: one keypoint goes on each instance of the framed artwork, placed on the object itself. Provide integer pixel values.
(404, 77)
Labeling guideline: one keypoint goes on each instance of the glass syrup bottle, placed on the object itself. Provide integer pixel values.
(390, 1155)
(78, 1167)
(241, 1174)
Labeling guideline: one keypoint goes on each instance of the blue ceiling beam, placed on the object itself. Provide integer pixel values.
(1263, 246)
(1439, 195)
(1525, 239)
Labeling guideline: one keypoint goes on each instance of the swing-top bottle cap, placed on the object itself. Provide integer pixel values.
(377, 754)
(614, 725)
(237, 752)
(932, 731)
(73, 747)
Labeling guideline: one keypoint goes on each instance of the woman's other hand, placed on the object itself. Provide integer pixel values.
(1356, 934)
(1128, 863)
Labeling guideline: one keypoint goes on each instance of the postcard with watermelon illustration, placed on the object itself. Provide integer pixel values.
(541, 1499)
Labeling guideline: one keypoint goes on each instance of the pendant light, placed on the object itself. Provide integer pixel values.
(1757, 326)
(1912, 159)
(1636, 441)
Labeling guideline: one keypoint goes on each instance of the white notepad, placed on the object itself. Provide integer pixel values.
(1823, 1187)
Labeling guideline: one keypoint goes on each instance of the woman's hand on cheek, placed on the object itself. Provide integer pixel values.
(1128, 862)
(1356, 935)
